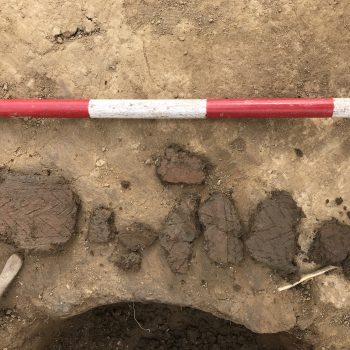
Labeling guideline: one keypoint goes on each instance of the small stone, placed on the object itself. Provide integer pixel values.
(211, 20)
(59, 40)
(299, 153)
(56, 32)
(125, 184)
(5, 87)
(100, 163)
(339, 200)
(181, 38)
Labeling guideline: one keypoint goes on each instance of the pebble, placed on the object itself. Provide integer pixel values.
(56, 31)
(100, 163)
(5, 87)
(59, 40)
(181, 38)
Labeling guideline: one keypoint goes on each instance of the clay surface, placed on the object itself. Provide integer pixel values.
(178, 166)
(273, 237)
(37, 212)
(222, 229)
(332, 243)
(178, 233)
(137, 236)
(102, 226)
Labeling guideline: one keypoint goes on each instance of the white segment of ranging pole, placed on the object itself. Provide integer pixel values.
(9, 272)
(341, 108)
(148, 109)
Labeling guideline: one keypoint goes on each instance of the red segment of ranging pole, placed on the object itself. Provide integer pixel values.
(179, 109)
(44, 108)
(271, 108)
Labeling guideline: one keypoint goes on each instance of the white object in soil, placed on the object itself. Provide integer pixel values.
(9, 272)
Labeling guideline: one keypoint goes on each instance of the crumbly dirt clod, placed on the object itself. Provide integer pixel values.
(102, 226)
(179, 166)
(273, 237)
(126, 260)
(37, 213)
(179, 231)
(222, 229)
(137, 236)
(331, 244)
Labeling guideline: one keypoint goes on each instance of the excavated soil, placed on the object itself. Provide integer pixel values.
(37, 212)
(273, 237)
(102, 227)
(139, 326)
(179, 166)
(178, 234)
(222, 229)
(331, 245)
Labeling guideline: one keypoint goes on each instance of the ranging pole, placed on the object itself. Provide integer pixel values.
(179, 109)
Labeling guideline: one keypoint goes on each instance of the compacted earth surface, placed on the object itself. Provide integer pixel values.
(175, 234)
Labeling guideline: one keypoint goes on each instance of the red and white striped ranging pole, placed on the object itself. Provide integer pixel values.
(179, 109)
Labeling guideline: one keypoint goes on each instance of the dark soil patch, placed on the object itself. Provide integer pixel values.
(222, 229)
(37, 212)
(126, 260)
(125, 184)
(339, 200)
(102, 227)
(179, 166)
(179, 231)
(239, 144)
(298, 152)
(273, 238)
(332, 243)
(164, 327)
(137, 236)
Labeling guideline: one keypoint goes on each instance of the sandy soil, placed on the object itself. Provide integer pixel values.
(177, 49)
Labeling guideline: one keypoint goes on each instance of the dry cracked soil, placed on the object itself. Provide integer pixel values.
(175, 234)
